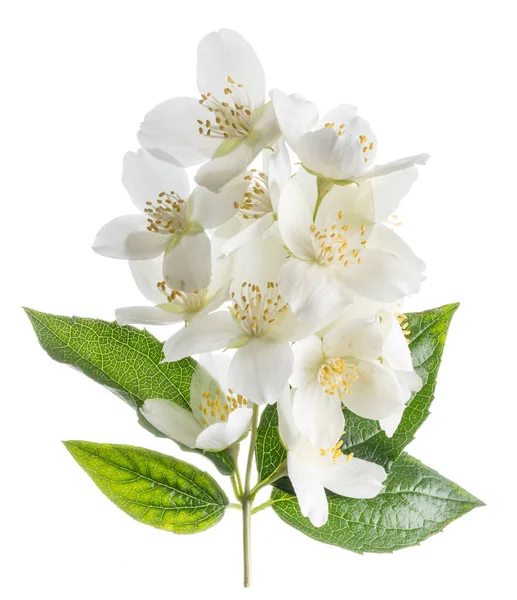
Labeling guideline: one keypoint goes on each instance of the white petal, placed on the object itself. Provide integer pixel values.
(279, 172)
(217, 172)
(396, 349)
(258, 263)
(146, 315)
(295, 220)
(315, 293)
(354, 478)
(209, 209)
(389, 270)
(144, 176)
(211, 332)
(295, 115)
(376, 393)
(187, 265)
(286, 424)
(210, 375)
(318, 416)
(360, 338)
(260, 370)
(309, 491)
(221, 435)
(127, 237)
(308, 357)
(249, 234)
(172, 129)
(224, 54)
(390, 424)
(398, 165)
(176, 422)
(388, 191)
(355, 204)
(147, 273)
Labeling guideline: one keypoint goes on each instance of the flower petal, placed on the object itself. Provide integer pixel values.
(278, 170)
(187, 265)
(286, 424)
(309, 491)
(128, 238)
(353, 478)
(295, 220)
(388, 191)
(261, 369)
(221, 435)
(360, 338)
(223, 54)
(296, 116)
(211, 209)
(397, 165)
(308, 357)
(211, 332)
(145, 177)
(171, 130)
(389, 270)
(249, 234)
(315, 293)
(176, 422)
(147, 273)
(376, 393)
(146, 315)
(318, 416)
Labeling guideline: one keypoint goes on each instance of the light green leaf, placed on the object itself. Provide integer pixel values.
(153, 488)
(416, 503)
(125, 360)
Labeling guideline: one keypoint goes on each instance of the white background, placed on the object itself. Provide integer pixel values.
(77, 78)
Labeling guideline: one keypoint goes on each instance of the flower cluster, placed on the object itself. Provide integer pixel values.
(282, 262)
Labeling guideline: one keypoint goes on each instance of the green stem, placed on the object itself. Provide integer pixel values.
(264, 505)
(275, 476)
(247, 500)
(324, 187)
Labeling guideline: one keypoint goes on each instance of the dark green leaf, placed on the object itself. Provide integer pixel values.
(125, 360)
(270, 453)
(153, 488)
(416, 503)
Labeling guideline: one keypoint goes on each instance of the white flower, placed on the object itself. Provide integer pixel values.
(173, 306)
(341, 148)
(344, 251)
(229, 125)
(362, 363)
(171, 222)
(218, 417)
(259, 324)
(312, 469)
(257, 194)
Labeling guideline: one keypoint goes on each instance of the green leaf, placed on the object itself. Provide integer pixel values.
(416, 503)
(270, 453)
(365, 438)
(153, 488)
(125, 360)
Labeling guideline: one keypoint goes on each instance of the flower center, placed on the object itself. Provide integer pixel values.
(337, 243)
(257, 202)
(232, 118)
(366, 146)
(216, 408)
(168, 214)
(255, 311)
(186, 302)
(336, 376)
